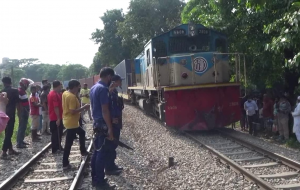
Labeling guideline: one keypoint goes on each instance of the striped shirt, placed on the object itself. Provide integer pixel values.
(23, 97)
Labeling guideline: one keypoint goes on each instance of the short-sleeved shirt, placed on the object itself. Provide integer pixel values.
(13, 100)
(99, 96)
(54, 100)
(44, 99)
(34, 110)
(268, 108)
(115, 106)
(70, 102)
(85, 99)
(23, 98)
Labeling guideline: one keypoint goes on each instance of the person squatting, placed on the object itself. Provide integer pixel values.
(107, 125)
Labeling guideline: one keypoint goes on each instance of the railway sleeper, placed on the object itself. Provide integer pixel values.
(48, 180)
(236, 153)
(280, 175)
(270, 164)
(289, 186)
(250, 159)
(229, 147)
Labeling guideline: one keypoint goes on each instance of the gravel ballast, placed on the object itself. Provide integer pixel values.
(8, 167)
(268, 144)
(146, 166)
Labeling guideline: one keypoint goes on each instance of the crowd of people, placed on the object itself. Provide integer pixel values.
(274, 116)
(52, 109)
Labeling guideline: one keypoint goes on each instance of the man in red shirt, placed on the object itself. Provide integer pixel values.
(267, 113)
(55, 116)
(34, 114)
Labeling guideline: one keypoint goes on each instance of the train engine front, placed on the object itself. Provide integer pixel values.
(182, 77)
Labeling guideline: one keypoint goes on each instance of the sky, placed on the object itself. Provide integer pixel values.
(54, 31)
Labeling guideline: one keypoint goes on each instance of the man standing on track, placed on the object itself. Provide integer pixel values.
(24, 112)
(13, 96)
(102, 125)
(71, 115)
(55, 116)
(34, 114)
(45, 113)
(85, 98)
(116, 108)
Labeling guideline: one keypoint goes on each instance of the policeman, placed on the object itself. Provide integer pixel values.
(116, 108)
(103, 130)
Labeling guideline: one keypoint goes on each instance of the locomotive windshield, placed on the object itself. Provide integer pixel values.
(185, 44)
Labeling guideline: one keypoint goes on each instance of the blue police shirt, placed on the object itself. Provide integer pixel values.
(115, 107)
(99, 96)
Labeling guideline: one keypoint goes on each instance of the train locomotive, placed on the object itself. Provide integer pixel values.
(183, 77)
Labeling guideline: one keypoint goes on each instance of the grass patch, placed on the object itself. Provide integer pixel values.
(292, 143)
(14, 137)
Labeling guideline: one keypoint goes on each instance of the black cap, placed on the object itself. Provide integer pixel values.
(116, 77)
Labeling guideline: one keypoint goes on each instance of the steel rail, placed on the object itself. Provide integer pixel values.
(234, 166)
(279, 158)
(23, 170)
(78, 178)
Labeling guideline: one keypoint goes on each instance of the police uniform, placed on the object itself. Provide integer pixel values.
(99, 96)
(116, 107)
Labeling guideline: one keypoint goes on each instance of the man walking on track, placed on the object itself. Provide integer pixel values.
(71, 115)
(24, 111)
(55, 116)
(116, 107)
(85, 99)
(13, 96)
(102, 125)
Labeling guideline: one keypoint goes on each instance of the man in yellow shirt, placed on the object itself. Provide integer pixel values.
(85, 99)
(71, 115)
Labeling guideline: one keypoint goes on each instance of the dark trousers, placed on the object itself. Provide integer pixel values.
(23, 120)
(9, 130)
(112, 153)
(250, 120)
(100, 158)
(71, 134)
(80, 121)
(57, 132)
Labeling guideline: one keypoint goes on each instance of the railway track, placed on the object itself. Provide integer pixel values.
(266, 169)
(44, 170)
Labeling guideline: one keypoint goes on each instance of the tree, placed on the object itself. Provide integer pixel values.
(111, 50)
(72, 71)
(146, 19)
(96, 65)
(244, 25)
(15, 64)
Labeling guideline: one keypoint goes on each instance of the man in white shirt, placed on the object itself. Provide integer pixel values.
(251, 108)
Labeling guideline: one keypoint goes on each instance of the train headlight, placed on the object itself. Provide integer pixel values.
(184, 75)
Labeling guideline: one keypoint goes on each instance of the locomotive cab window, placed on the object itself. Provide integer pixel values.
(148, 57)
(220, 45)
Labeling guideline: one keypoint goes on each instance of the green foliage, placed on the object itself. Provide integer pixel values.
(110, 42)
(252, 27)
(146, 19)
(14, 137)
(124, 36)
(292, 143)
(96, 65)
(36, 71)
(72, 71)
